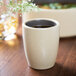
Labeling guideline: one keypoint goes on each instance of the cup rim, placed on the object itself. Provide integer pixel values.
(48, 19)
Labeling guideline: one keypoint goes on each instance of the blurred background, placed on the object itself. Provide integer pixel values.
(11, 22)
(12, 57)
(53, 1)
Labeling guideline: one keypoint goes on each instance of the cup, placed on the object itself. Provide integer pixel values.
(41, 40)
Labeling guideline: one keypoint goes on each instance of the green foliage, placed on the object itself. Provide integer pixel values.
(21, 6)
(1, 3)
(60, 6)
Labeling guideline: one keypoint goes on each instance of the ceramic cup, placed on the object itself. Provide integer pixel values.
(41, 44)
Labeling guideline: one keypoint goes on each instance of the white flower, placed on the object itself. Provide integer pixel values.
(23, 6)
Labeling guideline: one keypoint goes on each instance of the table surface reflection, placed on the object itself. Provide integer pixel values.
(13, 61)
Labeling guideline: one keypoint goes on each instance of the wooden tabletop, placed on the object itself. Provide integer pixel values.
(13, 61)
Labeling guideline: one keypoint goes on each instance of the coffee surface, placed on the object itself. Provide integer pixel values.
(40, 23)
(41, 26)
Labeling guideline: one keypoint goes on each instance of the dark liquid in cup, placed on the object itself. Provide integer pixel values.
(41, 26)
(40, 23)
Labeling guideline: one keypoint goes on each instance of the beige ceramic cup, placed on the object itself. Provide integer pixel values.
(41, 44)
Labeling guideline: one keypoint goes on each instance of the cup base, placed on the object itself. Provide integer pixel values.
(42, 68)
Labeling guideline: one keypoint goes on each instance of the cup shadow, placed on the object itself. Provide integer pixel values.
(57, 70)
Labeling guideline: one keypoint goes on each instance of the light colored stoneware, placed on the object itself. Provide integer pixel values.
(66, 17)
(41, 45)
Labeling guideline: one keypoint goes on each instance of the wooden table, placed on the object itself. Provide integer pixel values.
(13, 61)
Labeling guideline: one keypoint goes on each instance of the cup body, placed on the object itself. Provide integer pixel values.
(41, 45)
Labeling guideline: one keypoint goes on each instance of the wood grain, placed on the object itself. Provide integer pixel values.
(13, 61)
